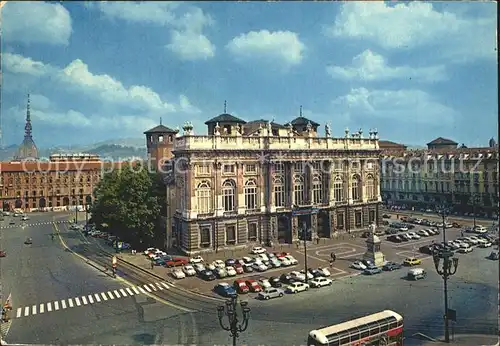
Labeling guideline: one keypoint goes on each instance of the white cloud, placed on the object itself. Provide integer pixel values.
(36, 22)
(186, 106)
(283, 47)
(40, 101)
(369, 66)
(19, 64)
(146, 12)
(190, 45)
(417, 24)
(403, 105)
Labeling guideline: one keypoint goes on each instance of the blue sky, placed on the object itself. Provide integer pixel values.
(101, 70)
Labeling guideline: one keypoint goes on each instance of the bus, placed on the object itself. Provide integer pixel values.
(383, 328)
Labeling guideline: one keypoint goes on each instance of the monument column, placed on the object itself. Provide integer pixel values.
(373, 251)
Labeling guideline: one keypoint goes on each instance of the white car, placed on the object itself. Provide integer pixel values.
(309, 275)
(264, 283)
(461, 243)
(423, 233)
(324, 271)
(413, 235)
(211, 266)
(219, 264)
(146, 252)
(320, 282)
(465, 249)
(285, 262)
(471, 240)
(479, 240)
(358, 265)
(292, 259)
(199, 267)
(259, 266)
(262, 257)
(231, 271)
(258, 250)
(178, 274)
(298, 276)
(297, 287)
(189, 270)
(485, 245)
(196, 259)
(403, 229)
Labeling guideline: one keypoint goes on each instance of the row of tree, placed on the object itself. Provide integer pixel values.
(129, 203)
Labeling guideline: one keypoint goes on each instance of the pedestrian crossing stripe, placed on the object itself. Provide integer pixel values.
(101, 297)
(35, 224)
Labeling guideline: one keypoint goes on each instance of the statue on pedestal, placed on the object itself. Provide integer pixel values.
(373, 252)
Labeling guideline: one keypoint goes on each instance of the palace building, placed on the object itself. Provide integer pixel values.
(262, 182)
(464, 179)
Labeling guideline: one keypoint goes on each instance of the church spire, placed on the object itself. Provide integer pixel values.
(28, 128)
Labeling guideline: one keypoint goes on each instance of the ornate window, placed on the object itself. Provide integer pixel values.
(204, 197)
(228, 195)
(230, 235)
(279, 192)
(356, 188)
(298, 191)
(252, 231)
(205, 236)
(317, 190)
(338, 189)
(370, 187)
(251, 195)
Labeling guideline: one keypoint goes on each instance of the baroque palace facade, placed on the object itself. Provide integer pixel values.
(464, 179)
(262, 182)
(29, 183)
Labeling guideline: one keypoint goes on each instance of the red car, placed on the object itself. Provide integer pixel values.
(281, 254)
(240, 286)
(2, 253)
(239, 268)
(253, 286)
(176, 262)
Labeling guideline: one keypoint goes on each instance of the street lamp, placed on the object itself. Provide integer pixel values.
(235, 326)
(446, 265)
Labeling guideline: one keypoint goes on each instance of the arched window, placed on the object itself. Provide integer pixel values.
(251, 195)
(317, 190)
(279, 192)
(370, 187)
(204, 197)
(298, 191)
(356, 188)
(228, 192)
(338, 189)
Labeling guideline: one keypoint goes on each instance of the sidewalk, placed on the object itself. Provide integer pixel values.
(466, 339)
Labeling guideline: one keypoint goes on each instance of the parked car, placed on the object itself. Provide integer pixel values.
(176, 262)
(207, 275)
(230, 262)
(394, 238)
(297, 287)
(275, 282)
(390, 266)
(292, 259)
(219, 263)
(178, 274)
(423, 233)
(220, 273)
(199, 267)
(239, 268)
(258, 250)
(225, 290)
(297, 276)
(413, 235)
(320, 282)
(247, 268)
(264, 283)
(416, 274)
(324, 272)
(259, 266)
(465, 249)
(253, 286)
(485, 245)
(230, 271)
(358, 265)
(241, 287)
(372, 270)
(287, 279)
(271, 293)
(189, 270)
(196, 259)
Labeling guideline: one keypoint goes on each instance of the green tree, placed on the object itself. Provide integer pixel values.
(130, 202)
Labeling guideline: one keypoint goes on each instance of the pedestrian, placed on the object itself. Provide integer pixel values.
(152, 265)
(461, 233)
(317, 240)
(331, 263)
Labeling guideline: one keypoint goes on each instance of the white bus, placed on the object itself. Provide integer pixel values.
(383, 328)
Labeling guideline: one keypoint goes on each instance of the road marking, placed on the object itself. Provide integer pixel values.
(129, 291)
(117, 294)
(97, 297)
(122, 291)
(77, 300)
(140, 289)
(159, 286)
(153, 287)
(147, 288)
(110, 295)
(70, 301)
(135, 290)
(56, 305)
(42, 308)
(164, 284)
(19, 311)
(26, 311)
(103, 295)
(310, 256)
(91, 300)
(33, 310)
(84, 300)
(49, 306)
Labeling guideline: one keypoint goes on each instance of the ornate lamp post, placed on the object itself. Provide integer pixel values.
(235, 326)
(446, 265)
